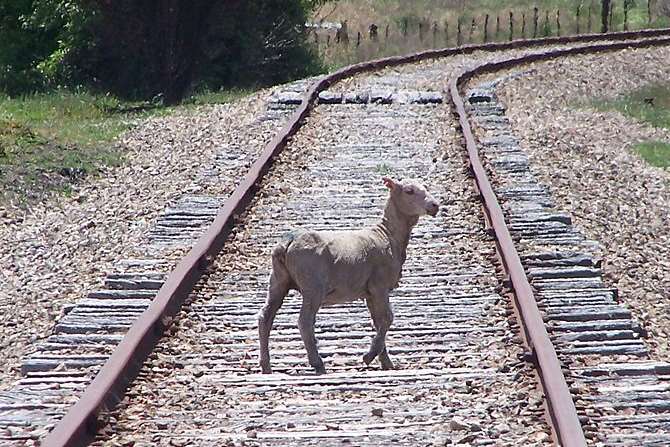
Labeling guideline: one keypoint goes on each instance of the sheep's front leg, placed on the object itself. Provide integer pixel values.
(311, 302)
(382, 317)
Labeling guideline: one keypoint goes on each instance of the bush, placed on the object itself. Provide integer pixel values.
(148, 49)
(259, 42)
(37, 40)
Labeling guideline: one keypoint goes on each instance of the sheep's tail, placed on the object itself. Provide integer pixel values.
(279, 256)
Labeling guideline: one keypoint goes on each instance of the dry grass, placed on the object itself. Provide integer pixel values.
(404, 26)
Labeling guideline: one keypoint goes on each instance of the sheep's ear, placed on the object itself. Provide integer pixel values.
(388, 182)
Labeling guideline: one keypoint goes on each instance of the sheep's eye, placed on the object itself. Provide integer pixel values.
(409, 191)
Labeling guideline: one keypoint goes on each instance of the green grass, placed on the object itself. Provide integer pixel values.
(656, 153)
(48, 141)
(217, 97)
(649, 104)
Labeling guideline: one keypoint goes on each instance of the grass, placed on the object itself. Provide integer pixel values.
(656, 153)
(649, 104)
(49, 141)
(205, 96)
(424, 24)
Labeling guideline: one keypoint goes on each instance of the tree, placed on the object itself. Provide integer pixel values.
(605, 14)
(147, 48)
(256, 42)
(152, 48)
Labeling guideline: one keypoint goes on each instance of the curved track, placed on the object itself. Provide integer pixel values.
(450, 264)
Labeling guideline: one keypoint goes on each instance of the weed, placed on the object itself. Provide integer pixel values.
(383, 169)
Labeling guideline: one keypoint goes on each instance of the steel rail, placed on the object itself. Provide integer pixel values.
(565, 421)
(80, 423)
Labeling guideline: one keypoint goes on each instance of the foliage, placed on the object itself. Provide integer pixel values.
(241, 50)
(37, 38)
(19, 48)
(151, 48)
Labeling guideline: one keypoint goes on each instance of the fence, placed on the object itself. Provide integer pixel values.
(338, 45)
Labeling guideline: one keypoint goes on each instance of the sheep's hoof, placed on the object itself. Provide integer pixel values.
(319, 370)
(387, 364)
(266, 369)
(368, 358)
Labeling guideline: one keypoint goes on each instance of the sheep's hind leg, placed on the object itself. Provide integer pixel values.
(385, 360)
(382, 317)
(276, 293)
(311, 302)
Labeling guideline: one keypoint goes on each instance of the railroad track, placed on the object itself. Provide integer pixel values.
(455, 338)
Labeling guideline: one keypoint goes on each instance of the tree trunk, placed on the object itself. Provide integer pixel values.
(181, 26)
(605, 15)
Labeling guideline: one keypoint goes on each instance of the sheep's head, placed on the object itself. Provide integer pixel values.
(411, 197)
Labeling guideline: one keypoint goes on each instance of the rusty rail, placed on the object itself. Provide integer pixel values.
(80, 423)
(562, 409)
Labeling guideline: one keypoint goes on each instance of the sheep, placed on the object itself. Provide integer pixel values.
(332, 267)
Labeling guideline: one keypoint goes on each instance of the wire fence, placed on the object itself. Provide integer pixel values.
(341, 44)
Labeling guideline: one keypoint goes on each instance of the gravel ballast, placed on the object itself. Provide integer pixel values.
(586, 157)
(201, 385)
(56, 251)
(89, 267)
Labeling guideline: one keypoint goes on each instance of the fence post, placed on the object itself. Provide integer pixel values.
(458, 32)
(535, 19)
(611, 14)
(626, 5)
(588, 23)
(511, 25)
(373, 32)
(577, 15)
(649, 12)
(546, 29)
(386, 32)
(497, 27)
(523, 25)
(342, 34)
(486, 28)
(434, 34)
(558, 22)
(421, 31)
(472, 29)
(446, 32)
(358, 39)
(604, 16)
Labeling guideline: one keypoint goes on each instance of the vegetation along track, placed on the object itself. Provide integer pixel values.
(460, 375)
